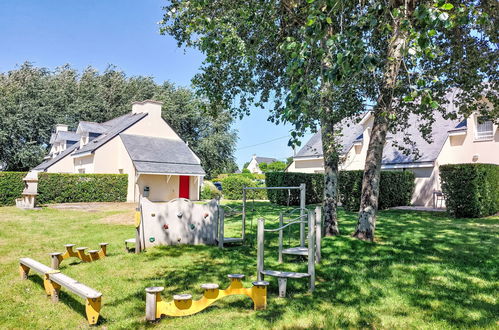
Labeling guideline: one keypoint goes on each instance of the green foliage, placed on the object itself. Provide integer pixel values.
(69, 188)
(470, 190)
(245, 166)
(11, 187)
(232, 187)
(276, 166)
(396, 188)
(209, 191)
(245, 170)
(314, 187)
(33, 100)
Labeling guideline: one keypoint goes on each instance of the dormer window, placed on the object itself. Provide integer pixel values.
(484, 129)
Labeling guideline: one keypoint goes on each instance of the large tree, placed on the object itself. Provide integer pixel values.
(33, 100)
(249, 49)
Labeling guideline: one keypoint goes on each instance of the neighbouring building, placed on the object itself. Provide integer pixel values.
(467, 140)
(255, 161)
(140, 144)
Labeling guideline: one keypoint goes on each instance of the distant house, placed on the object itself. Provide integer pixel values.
(467, 140)
(140, 144)
(255, 161)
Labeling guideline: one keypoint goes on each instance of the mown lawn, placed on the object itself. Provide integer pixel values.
(425, 271)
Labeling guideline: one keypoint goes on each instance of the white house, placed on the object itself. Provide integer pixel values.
(255, 161)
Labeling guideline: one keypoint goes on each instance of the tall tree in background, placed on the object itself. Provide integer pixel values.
(247, 58)
(403, 57)
(33, 100)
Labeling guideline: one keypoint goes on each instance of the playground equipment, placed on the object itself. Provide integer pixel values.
(93, 255)
(224, 240)
(178, 221)
(28, 199)
(282, 276)
(53, 280)
(183, 305)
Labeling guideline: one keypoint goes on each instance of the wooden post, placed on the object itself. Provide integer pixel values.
(281, 223)
(302, 214)
(55, 259)
(244, 214)
(318, 233)
(221, 221)
(152, 298)
(259, 253)
(311, 252)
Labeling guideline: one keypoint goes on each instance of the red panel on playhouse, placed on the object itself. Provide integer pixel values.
(184, 187)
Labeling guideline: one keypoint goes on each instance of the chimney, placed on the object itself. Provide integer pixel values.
(61, 128)
(152, 108)
(254, 156)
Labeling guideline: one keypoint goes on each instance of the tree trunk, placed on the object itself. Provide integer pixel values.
(372, 171)
(330, 178)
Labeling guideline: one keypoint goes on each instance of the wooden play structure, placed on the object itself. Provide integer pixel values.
(228, 211)
(93, 255)
(53, 280)
(183, 305)
(282, 276)
(178, 221)
(28, 199)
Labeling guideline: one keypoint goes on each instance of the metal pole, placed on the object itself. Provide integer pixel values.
(302, 214)
(311, 253)
(318, 233)
(281, 223)
(259, 253)
(244, 214)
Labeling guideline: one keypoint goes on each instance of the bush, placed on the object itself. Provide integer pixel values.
(470, 190)
(314, 187)
(395, 189)
(209, 191)
(232, 188)
(71, 188)
(11, 187)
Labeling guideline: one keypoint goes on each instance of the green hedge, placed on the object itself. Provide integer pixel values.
(11, 187)
(470, 190)
(232, 188)
(209, 191)
(396, 188)
(314, 187)
(66, 188)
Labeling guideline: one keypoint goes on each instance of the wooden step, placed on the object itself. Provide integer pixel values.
(299, 251)
(232, 240)
(277, 273)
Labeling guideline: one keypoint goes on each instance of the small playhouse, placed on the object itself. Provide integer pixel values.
(28, 199)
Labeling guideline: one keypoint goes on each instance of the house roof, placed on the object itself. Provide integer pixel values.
(421, 151)
(90, 126)
(160, 155)
(266, 160)
(117, 125)
(64, 136)
(49, 162)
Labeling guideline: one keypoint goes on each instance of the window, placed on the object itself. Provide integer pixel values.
(81, 170)
(484, 129)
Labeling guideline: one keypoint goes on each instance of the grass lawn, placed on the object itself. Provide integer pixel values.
(425, 271)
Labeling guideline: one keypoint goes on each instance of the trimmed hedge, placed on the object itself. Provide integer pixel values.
(11, 187)
(314, 187)
(66, 188)
(470, 190)
(396, 188)
(209, 191)
(232, 188)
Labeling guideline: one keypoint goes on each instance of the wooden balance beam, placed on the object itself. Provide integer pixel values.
(53, 280)
(183, 305)
(58, 257)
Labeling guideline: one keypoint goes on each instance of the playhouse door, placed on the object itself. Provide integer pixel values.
(183, 187)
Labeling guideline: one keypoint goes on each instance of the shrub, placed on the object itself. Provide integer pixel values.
(232, 188)
(69, 188)
(209, 191)
(395, 189)
(314, 187)
(470, 190)
(11, 187)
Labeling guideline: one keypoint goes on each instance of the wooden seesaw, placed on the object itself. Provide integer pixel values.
(183, 305)
(58, 257)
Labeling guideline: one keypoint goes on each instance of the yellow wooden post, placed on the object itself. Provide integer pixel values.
(92, 309)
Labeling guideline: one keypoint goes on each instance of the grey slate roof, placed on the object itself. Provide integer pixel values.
(160, 155)
(49, 162)
(391, 154)
(90, 126)
(266, 160)
(64, 136)
(118, 125)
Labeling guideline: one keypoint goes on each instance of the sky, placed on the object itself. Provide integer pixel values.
(123, 33)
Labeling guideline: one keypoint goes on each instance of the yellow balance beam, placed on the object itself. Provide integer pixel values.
(183, 305)
(58, 257)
